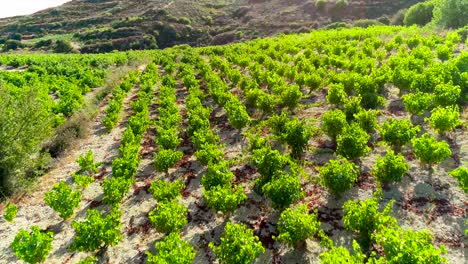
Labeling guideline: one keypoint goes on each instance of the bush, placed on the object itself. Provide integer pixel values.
(444, 118)
(268, 162)
(96, 231)
(417, 103)
(169, 217)
(290, 96)
(297, 135)
(390, 168)
(209, 153)
(364, 218)
(428, 150)
(82, 181)
(333, 122)
(352, 106)
(352, 143)
(62, 199)
(165, 159)
(365, 23)
(238, 245)
(367, 120)
(217, 174)
(224, 198)
(168, 138)
(33, 247)
(342, 255)
(165, 191)
(10, 212)
(87, 163)
(320, 5)
(115, 189)
(296, 225)
(283, 190)
(407, 246)
(336, 94)
(461, 174)
(398, 132)
(172, 250)
(446, 94)
(339, 175)
(451, 13)
(444, 52)
(419, 14)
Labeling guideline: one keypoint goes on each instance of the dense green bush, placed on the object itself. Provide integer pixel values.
(428, 150)
(444, 119)
(209, 153)
(296, 225)
(224, 198)
(82, 181)
(417, 103)
(296, 135)
(87, 163)
(333, 122)
(419, 14)
(10, 212)
(367, 120)
(63, 199)
(461, 174)
(172, 250)
(451, 13)
(342, 255)
(352, 142)
(446, 94)
(238, 245)
(217, 174)
(165, 159)
(283, 190)
(390, 168)
(339, 175)
(34, 246)
(96, 231)
(169, 217)
(398, 132)
(115, 190)
(336, 94)
(164, 190)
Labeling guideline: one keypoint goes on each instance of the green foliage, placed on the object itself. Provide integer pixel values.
(165, 159)
(283, 190)
(336, 94)
(398, 132)
(164, 190)
(444, 118)
(339, 175)
(82, 181)
(10, 212)
(390, 168)
(446, 94)
(364, 218)
(342, 255)
(296, 135)
(333, 123)
(89, 260)
(352, 106)
(96, 231)
(444, 52)
(86, 162)
(168, 138)
(407, 246)
(428, 150)
(115, 189)
(169, 217)
(209, 153)
(461, 174)
(238, 245)
(352, 143)
(290, 96)
(237, 114)
(172, 250)
(217, 174)
(34, 246)
(367, 120)
(268, 162)
(419, 14)
(451, 13)
(296, 225)
(224, 198)
(63, 199)
(417, 103)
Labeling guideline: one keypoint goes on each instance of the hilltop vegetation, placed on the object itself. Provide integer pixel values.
(106, 25)
(345, 144)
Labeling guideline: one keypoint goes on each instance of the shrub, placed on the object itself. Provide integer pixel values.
(390, 168)
(172, 250)
(169, 217)
(217, 174)
(417, 103)
(444, 52)
(419, 14)
(398, 132)
(352, 106)
(333, 123)
(89, 260)
(34, 246)
(367, 120)
(428, 150)
(339, 175)
(461, 174)
(10, 212)
(364, 218)
(96, 231)
(446, 94)
(342, 255)
(237, 114)
(297, 135)
(168, 138)
(62, 199)
(407, 246)
(352, 143)
(82, 181)
(115, 190)
(209, 153)
(87, 163)
(296, 225)
(336, 94)
(283, 190)
(165, 191)
(268, 162)
(451, 13)
(238, 245)
(444, 118)
(165, 159)
(290, 96)
(224, 198)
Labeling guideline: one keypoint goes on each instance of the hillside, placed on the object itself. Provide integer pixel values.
(106, 25)
(290, 146)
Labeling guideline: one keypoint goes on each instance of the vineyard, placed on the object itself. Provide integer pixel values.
(336, 146)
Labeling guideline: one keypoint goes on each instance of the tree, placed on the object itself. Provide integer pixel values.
(419, 14)
(238, 245)
(296, 225)
(451, 13)
(34, 246)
